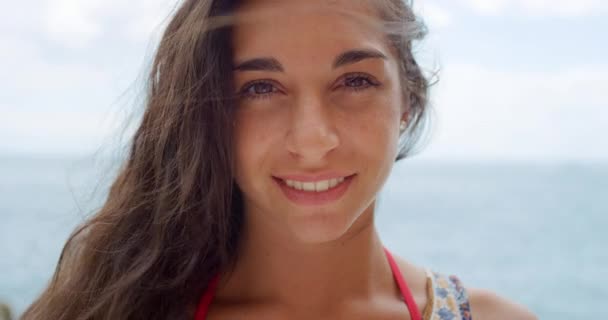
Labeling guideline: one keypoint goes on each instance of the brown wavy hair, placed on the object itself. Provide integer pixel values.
(173, 215)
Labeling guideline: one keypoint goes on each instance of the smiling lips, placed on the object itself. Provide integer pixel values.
(317, 186)
(305, 191)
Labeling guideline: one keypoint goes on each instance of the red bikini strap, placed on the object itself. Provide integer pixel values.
(405, 291)
(205, 302)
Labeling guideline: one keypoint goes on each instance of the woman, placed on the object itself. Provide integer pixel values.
(249, 191)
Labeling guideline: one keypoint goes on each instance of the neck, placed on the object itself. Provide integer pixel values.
(276, 269)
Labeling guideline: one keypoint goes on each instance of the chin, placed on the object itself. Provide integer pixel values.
(321, 227)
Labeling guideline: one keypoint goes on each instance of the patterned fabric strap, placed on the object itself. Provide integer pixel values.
(448, 298)
(461, 298)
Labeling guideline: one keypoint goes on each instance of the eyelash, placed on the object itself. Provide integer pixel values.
(244, 93)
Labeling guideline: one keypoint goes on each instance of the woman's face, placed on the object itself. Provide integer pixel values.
(320, 101)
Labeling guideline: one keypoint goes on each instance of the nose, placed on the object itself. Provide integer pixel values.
(312, 133)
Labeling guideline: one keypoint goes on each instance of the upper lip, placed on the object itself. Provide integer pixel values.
(303, 177)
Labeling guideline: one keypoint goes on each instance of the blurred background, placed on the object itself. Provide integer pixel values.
(510, 193)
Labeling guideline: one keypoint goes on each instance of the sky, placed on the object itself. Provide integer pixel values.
(523, 80)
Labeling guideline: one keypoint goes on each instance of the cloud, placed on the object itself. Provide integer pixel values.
(64, 70)
(494, 113)
(56, 107)
(435, 15)
(73, 22)
(488, 7)
(562, 8)
(76, 23)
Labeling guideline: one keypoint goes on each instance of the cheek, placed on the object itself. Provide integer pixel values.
(377, 140)
(253, 141)
(374, 127)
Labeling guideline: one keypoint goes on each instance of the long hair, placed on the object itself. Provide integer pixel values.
(173, 215)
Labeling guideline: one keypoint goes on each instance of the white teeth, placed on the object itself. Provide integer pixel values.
(333, 183)
(322, 185)
(297, 185)
(308, 186)
(318, 186)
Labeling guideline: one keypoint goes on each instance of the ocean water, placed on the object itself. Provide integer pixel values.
(534, 233)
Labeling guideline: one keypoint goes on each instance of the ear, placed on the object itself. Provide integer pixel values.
(406, 105)
(404, 121)
(405, 116)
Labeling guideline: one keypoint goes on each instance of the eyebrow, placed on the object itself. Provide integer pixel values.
(260, 64)
(354, 56)
(345, 58)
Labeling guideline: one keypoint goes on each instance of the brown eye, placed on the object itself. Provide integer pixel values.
(359, 81)
(258, 89)
(261, 88)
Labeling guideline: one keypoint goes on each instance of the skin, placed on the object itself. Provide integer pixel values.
(322, 261)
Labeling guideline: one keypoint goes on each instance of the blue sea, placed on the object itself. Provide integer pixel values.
(535, 233)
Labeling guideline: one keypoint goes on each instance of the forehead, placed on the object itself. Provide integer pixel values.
(275, 27)
(365, 6)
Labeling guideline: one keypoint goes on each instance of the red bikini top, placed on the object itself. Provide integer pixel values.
(206, 299)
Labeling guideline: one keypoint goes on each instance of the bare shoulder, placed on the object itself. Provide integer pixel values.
(486, 304)
(417, 281)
